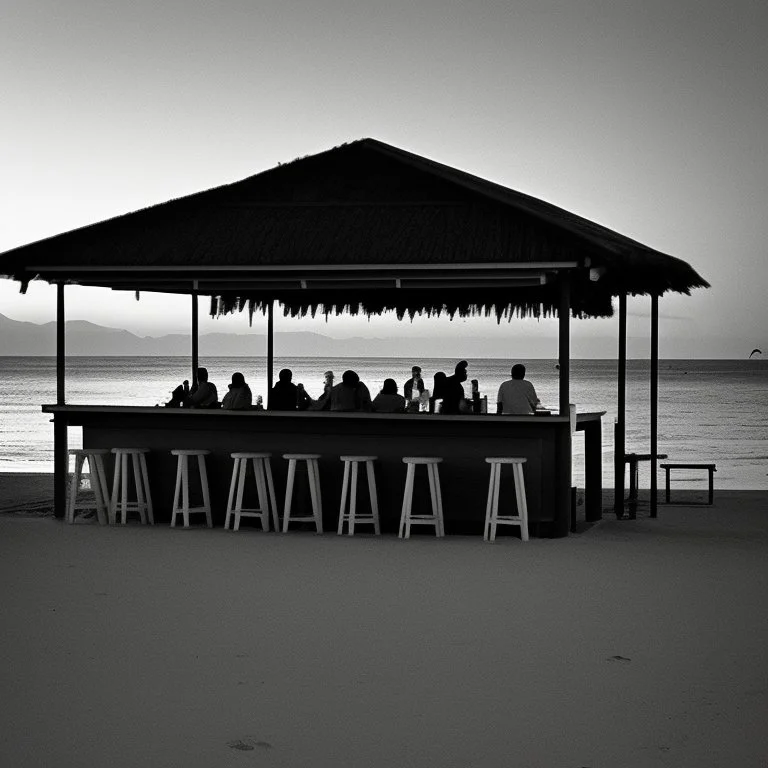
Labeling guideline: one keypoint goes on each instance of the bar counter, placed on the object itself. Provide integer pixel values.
(463, 441)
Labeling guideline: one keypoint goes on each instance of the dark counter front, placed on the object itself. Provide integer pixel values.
(462, 441)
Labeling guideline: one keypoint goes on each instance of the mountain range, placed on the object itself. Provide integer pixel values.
(83, 338)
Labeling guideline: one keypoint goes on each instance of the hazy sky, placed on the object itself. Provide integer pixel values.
(649, 117)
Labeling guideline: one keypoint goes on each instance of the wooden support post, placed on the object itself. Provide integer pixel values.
(564, 342)
(620, 427)
(195, 336)
(270, 347)
(563, 475)
(60, 455)
(654, 399)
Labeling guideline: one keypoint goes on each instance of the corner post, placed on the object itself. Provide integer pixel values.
(270, 347)
(619, 443)
(564, 343)
(564, 450)
(654, 400)
(195, 334)
(60, 455)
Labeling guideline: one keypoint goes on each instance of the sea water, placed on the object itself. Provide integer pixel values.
(709, 410)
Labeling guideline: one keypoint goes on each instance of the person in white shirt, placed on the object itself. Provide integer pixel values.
(517, 396)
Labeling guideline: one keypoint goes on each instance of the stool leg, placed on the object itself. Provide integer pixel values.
(185, 489)
(522, 504)
(666, 483)
(405, 515)
(433, 497)
(124, 487)
(353, 500)
(289, 493)
(115, 486)
(489, 505)
(147, 492)
(711, 486)
(242, 472)
(231, 498)
(141, 504)
(176, 493)
(271, 489)
(99, 483)
(373, 496)
(439, 495)
(343, 504)
(495, 512)
(313, 472)
(261, 490)
(206, 493)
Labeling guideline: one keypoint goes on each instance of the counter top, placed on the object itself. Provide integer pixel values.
(252, 414)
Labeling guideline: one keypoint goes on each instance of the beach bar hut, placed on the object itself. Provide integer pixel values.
(363, 228)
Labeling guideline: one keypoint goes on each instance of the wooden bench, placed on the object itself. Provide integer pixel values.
(711, 468)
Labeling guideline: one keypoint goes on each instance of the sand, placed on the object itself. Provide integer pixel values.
(636, 643)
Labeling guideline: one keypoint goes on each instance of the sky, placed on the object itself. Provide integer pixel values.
(648, 117)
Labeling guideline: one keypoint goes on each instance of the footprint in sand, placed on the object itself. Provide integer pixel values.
(248, 744)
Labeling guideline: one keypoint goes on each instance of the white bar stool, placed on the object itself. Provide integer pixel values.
(407, 518)
(181, 496)
(351, 517)
(492, 516)
(143, 503)
(98, 481)
(262, 470)
(313, 473)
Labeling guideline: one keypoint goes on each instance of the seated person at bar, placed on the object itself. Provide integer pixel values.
(517, 396)
(350, 395)
(414, 382)
(284, 396)
(203, 394)
(239, 397)
(321, 404)
(437, 390)
(388, 401)
(453, 392)
(177, 398)
(303, 400)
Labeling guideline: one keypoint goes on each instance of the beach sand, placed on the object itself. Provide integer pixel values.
(636, 643)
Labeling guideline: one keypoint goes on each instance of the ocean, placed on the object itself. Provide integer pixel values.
(709, 410)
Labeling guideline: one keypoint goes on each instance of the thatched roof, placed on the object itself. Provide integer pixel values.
(366, 227)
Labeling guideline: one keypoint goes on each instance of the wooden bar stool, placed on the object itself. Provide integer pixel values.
(407, 518)
(262, 471)
(313, 474)
(181, 496)
(143, 503)
(98, 481)
(351, 517)
(492, 516)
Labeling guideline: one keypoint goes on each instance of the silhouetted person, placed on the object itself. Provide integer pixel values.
(350, 395)
(388, 401)
(203, 394)
(453, 391)
(177, 398)
(323, 402)
(415, 381)
(517, 396)
(239, 397)
(437, 390)
(284, 396)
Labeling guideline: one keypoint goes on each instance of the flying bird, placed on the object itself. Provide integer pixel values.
(759, 352)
